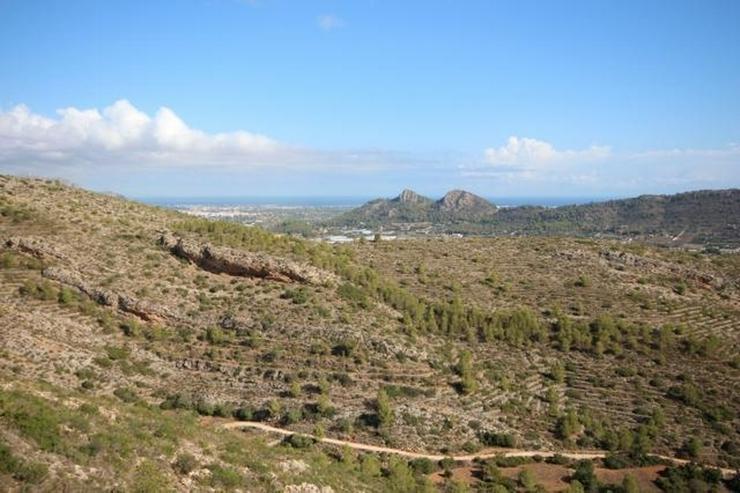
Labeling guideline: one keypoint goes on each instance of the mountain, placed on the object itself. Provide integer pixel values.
(708, 217)
(410, 207)
(135, 340)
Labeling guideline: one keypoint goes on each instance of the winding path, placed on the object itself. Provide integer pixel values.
(573, 454)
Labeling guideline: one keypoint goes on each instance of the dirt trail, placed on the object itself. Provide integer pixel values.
(573, 454)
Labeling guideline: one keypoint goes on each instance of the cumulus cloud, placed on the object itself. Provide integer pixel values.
(526, 154)
(539, 163)
(121, 134)
(123, 137)
(329, 22)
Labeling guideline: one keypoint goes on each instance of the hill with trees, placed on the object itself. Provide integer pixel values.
(706, 217)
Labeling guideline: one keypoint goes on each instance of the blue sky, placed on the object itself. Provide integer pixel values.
(270, 97)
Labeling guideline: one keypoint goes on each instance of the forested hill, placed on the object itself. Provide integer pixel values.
(706, 216)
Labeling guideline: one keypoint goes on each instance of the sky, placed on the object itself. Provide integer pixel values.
(367, 97)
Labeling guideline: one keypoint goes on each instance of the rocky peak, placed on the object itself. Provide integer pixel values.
(462, 200)
(409, 197)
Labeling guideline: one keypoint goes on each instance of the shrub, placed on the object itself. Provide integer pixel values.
(8, 260)
(216, 336)
(354, 295)
(493, 439)
(30, 472)
(383, 409)
(344, 349)
(177, 401)
(292, 416)
(680, 288)
(422, 466)
(299, 441)
(223, 410)
(244, 414)
(66, 296)
(131, 328)
(370, 466)
(126, 394)
(117, 352)
(584, 474)
(298, 296)
(185, 463)
(689, 477)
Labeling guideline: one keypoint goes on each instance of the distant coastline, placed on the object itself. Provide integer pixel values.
(333, 201)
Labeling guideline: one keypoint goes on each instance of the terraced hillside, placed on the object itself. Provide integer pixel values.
(118, 317)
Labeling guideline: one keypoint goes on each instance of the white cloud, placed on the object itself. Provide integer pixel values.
(539, 163)
(123, 137)
(122, 134)
(329, 22)
(523, 153)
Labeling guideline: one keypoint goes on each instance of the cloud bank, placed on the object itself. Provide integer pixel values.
(122, 134)
(529, 162)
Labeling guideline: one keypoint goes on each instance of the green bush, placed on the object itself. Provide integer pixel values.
(31, 472)
(493, 439)
(299, 441)
(185, 463)
(126, 394)
(66, 296)
(422, 466)
(298, 296)
(244, 414)
(689, 477)
(354, 295)
(117, 352)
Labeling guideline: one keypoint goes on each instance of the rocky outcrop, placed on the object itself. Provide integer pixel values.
(37, 247)
(99, 295)
(460, 202)
(221, 260)
(410, 197)
(125, 303)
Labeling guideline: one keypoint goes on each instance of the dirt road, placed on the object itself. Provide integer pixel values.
(572, 454)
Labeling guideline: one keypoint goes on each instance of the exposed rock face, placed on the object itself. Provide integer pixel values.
(410, 197)
(244, 264)
(142, 309)
(37, 247)
(99, 295)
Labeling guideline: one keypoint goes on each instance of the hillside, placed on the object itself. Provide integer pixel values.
(131, 334)
(702, 217)
(707, 217)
